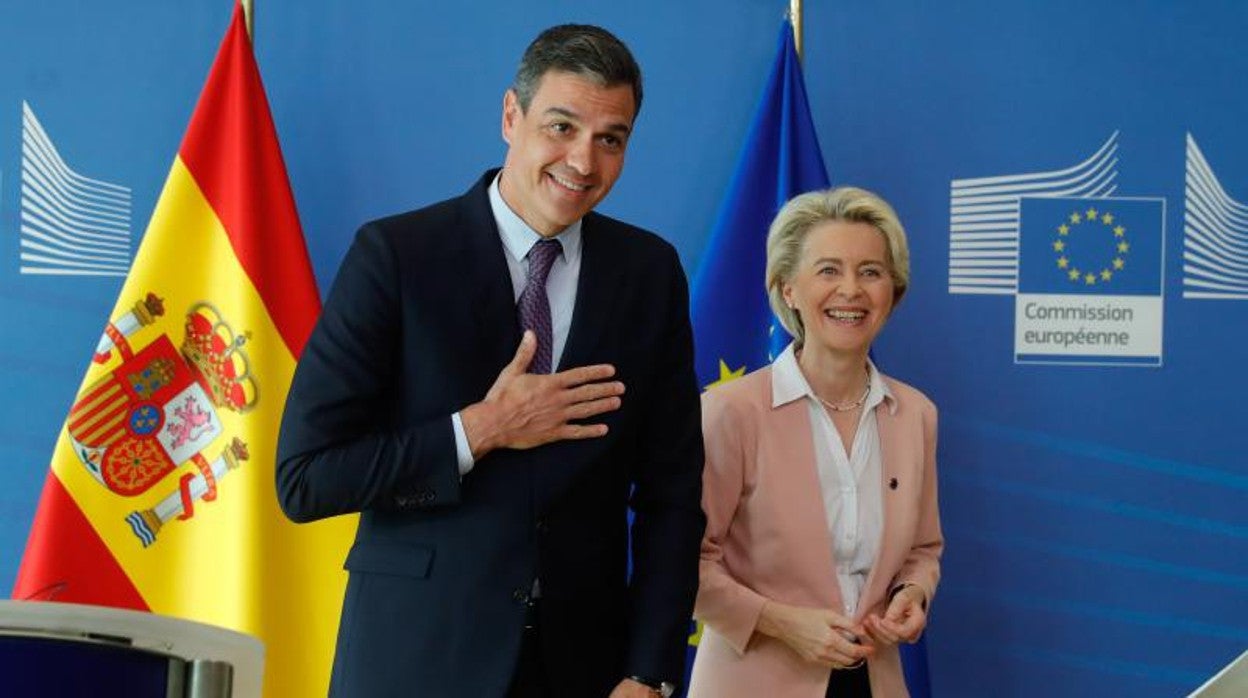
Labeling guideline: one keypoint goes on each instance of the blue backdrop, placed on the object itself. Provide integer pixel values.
(1095, 514)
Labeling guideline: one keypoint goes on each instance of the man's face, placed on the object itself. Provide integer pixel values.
(566, 151)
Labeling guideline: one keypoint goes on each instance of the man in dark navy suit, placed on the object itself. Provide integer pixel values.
(495, 380)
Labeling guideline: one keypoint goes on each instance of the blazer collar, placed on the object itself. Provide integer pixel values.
(597, 290)
(902, 472)
(486, 280)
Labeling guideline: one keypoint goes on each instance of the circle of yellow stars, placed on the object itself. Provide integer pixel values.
(1091, 276)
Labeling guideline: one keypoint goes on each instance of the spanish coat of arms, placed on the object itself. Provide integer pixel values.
(159, 408)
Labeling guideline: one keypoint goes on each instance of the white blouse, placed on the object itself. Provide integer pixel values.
(852, 483)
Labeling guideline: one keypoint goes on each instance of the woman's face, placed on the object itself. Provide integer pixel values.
(843, 288)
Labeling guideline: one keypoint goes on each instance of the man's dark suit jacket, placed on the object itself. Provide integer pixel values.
(419, 323)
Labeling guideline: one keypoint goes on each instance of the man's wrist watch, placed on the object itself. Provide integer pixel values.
(666, 689)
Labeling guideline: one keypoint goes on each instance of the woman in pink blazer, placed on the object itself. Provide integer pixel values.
(823, 539)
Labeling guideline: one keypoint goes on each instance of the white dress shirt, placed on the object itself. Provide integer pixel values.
(852, 483)
(518, 238)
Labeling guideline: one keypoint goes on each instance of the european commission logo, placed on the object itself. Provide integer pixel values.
(1090, 281)
(1085, 267)
(71, 224)
(1215, 234)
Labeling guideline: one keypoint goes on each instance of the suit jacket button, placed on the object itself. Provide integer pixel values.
(542, 527)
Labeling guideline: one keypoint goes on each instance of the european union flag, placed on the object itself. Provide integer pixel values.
(733, 325)
(1080, 246)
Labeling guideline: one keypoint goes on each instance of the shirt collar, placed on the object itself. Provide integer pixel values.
(518, 238)
(788, 383)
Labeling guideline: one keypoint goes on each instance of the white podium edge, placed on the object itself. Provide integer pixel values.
(1230, 682)
(186, 639)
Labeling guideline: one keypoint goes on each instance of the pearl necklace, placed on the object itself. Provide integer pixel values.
(846, 407)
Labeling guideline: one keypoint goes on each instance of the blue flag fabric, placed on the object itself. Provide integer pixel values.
(732, 322)
(734, 329)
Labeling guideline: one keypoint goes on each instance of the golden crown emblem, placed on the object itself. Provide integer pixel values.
(216, 353)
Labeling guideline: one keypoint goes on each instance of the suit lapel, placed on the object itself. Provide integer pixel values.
(798, 492)
(485, 278)
(596, 293)
(895, 453)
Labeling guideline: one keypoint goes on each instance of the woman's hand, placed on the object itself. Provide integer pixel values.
(816, 634)
(903, 621)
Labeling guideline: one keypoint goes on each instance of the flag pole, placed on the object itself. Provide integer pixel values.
(248, 13)
(795, 18)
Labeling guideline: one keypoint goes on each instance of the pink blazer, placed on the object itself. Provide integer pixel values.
(767, 536)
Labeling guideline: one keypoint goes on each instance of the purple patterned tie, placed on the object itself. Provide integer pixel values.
(534, 306)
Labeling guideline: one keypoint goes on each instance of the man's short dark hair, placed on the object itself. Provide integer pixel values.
(582, 49)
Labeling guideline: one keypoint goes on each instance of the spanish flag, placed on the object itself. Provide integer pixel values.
(161, 491)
